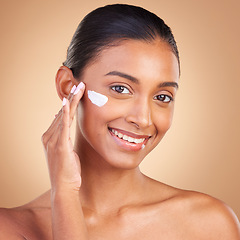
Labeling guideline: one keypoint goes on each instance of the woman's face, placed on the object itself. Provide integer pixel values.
(139, 80)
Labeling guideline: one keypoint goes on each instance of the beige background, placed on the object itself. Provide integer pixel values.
(202, 149)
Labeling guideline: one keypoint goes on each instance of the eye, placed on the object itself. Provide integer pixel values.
(164, 98)
(120, 89)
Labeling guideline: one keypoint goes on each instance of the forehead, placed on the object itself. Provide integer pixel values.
(141, 59)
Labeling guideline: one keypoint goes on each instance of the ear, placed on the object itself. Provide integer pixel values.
(64, 81)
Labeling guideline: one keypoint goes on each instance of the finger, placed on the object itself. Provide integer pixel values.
(56, 119)
(71, 93)
(56, 122)
(64, 133)
(50, 131)
(52, 128)
(77, 95)
(60, 135)
(65, 118)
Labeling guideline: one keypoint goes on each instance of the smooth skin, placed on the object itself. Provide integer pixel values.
(97, 190)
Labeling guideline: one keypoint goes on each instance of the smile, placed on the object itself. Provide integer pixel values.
(127, 138)
(129, 141)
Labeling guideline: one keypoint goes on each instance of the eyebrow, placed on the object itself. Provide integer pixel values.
(135, 80)
(123, 75)
(169, 84)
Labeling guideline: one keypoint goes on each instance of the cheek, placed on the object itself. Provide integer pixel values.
(163, 120)
(93, 122)
(93, 112)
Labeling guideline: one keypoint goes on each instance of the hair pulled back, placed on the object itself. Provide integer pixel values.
(109, 25)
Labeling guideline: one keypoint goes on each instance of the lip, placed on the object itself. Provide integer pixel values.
(128, 145)
(130, 134)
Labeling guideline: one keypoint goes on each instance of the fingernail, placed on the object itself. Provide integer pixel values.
(73, 88)
(80, 86)
(64, 101)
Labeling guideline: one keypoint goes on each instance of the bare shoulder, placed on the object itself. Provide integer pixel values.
(192, 215)
(14, 222)
(25, 222)
(204, 217)
(210, 217)
(9, 227)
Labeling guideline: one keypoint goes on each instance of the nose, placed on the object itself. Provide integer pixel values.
(139, 114)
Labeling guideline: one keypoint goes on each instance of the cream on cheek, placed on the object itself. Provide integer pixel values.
(97, 98)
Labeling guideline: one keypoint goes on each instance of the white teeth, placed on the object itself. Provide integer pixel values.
(127, 138)
(120, 135)
(130, 139)
(139, 140)
(136, 140)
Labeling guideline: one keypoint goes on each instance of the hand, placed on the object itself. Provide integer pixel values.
(63, 162)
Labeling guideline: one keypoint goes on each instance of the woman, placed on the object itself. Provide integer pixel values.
(120, 78)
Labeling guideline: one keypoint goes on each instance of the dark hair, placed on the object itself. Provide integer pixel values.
(108, 26)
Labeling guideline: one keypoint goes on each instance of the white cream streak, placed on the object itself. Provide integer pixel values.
(97, 98)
